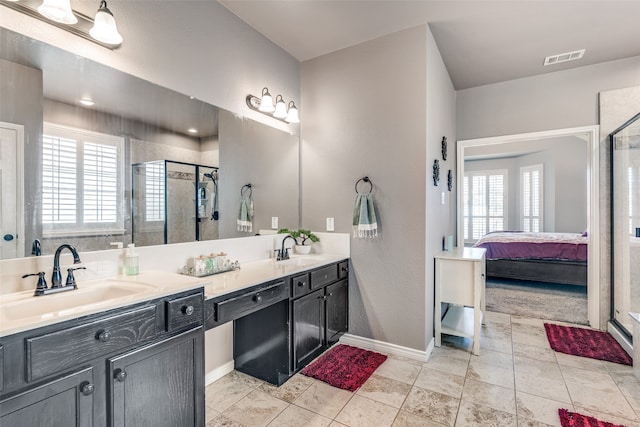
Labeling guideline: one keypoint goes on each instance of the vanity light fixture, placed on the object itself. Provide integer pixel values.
(292, 115)
(266, 102)
(102, 30)
(192, 130)
(58, 11)
(281, 108)
(281, 111)
(104, 26)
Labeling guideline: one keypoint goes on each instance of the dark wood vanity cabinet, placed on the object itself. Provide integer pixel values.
(280, 326)
(141, 362)
(65, 401)
(158, 385)
(319, 318)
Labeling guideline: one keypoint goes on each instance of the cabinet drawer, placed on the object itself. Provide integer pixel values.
(54, 352)
(242, 305)
(300, 285)
(324, 276)
(184, 312)
(343, 270)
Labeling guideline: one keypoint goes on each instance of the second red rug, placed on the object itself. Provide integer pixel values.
(345, 367)
(573, 419)
(586, 343)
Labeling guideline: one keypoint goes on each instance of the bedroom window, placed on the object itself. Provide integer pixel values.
(531, 198)
(485, 203)
(81, 182)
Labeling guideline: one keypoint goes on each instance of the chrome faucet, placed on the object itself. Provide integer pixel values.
(56, 277)
(283, 253)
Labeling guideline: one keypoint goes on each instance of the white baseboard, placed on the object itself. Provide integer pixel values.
(387, 348)
(218, 372)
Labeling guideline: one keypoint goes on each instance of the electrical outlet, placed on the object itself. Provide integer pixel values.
(274, 222)
(330, 224)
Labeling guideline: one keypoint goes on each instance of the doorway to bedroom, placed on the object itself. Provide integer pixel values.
(531, 200)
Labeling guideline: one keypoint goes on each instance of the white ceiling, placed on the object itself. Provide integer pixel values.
(481, 42)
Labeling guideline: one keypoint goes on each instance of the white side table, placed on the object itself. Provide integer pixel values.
(460, 281)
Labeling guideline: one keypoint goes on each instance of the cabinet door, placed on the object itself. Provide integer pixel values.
(337, 306)
(67, 401)
(308, 330)
(160, 385)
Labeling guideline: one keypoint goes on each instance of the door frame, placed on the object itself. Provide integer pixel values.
(593, 199)
(20, 253)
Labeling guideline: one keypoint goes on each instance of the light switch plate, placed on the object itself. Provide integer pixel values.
(442, 196)
(330, 224)
(274, 222)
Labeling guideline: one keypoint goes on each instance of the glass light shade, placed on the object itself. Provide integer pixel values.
(104, 27)
(266, 103)
(281, 108)
(58, 10)
(292, 116)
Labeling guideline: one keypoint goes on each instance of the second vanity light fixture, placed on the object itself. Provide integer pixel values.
(102, 29)
(280, 111)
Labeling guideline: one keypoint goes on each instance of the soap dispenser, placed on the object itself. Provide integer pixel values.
(131, 261)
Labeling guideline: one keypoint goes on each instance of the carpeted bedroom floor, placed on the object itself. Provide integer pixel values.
(564, 303)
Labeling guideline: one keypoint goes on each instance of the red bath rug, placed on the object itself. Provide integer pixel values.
(586, 343)
(345, 367)
(573, 419)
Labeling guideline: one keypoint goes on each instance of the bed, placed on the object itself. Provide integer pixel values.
(541, 257)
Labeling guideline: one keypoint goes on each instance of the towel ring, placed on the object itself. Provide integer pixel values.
(367, 180)
(242, 190)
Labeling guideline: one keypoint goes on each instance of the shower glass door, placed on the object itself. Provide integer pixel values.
(625, 222)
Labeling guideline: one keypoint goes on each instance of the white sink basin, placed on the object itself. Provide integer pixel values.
(23, 305)
(300, 261)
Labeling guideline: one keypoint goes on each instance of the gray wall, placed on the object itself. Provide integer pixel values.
(365, 110)
(550, 101)
(565, 183)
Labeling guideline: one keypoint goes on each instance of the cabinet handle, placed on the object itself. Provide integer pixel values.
(188, 310)
(103, 336)
(301, 284)
(120, 375)
(345, 269)
(257, 298)
(330, 294)
(87, 388)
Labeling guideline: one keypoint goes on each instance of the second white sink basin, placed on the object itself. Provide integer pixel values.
(21, 305)
(299, 261)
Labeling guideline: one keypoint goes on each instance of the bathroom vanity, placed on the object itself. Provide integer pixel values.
(140, 361)
(118, 367)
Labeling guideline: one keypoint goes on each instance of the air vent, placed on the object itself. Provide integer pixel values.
(564, 57)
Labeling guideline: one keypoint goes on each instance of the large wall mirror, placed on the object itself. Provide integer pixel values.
(142, 164)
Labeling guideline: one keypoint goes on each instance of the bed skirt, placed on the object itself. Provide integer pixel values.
(564, 272)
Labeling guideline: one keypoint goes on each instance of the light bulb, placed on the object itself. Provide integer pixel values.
(58, 10)
(266, 103)
(104, 26)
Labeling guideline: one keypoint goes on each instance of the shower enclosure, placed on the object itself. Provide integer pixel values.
(173, 202)
(625, 223)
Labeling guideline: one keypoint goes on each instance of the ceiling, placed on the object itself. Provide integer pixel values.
(481, 42)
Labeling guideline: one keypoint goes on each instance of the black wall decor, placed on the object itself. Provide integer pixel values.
(436, 172)
(444, 148)
(449, 180)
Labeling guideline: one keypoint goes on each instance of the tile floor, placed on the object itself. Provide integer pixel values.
(516, 381)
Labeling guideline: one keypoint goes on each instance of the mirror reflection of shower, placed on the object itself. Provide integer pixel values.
(174, 202)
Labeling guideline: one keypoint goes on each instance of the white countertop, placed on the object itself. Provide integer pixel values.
(21, 311)
(463, 253)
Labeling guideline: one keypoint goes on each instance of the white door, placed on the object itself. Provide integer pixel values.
(11, 245)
